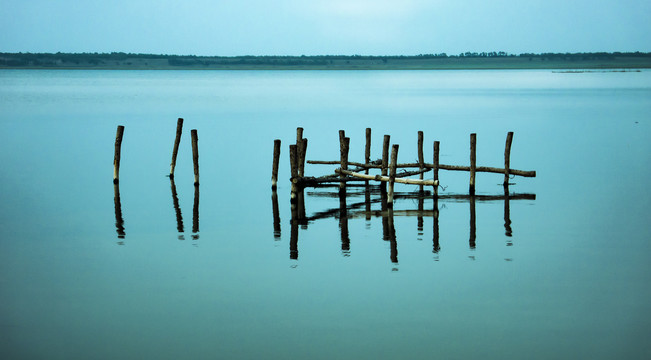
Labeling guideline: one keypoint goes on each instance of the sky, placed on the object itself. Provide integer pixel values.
(324, 27)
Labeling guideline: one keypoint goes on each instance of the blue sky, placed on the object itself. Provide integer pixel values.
(304, 27)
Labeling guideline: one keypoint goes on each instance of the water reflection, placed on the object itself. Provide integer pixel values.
(119, 221)
(177, 209)
(373, 194)
(180, 228)
(195, 213)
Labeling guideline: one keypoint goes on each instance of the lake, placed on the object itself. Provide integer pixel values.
(558, 268)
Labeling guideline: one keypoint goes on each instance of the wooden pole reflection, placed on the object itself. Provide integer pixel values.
(119, 221)
(276, 214)
(473, 229)
(177, 208)
(436, 247)
(195, 213)
(343, 223)
(507, 212)
(392, 236)
(293, 240)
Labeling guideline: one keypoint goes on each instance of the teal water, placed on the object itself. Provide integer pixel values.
(225, 278)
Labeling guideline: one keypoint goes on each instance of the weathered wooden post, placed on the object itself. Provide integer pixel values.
(473, 162)
(276, 161)
(436, 165)
(344, 146)
(385, 160)
(301, 157)
(293, 164)
(116, 157)
(195, 155)
(392, 174)
(507, 157)
(421, 158)
(367, 152)
(175, 150)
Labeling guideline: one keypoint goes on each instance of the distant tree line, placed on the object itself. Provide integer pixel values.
(125, 59)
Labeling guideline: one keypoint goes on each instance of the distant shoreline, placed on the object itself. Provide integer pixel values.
(578, 62)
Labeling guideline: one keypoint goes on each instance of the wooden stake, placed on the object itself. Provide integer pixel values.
(175, 150)
(116, 158)
(293, 159)
(385, 155)
(473, 162)
(344, 146)
(276, 161)
(195, 155)
(301, 157)
(392, 174)
(421, 158)
(436, 165)
(299, 135)
(367, 152)
(507, 157)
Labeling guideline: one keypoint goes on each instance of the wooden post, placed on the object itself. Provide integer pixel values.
(392, 174)
(301, 157)
(195, 155)
(344, 146)
(385, 155)
(436, 165)
(293, 161)
(507, 157)
(116, 158)
(276, 160)
(367, 152)
(421, 158)
(299, 135)
(175, 150)
(473, 162)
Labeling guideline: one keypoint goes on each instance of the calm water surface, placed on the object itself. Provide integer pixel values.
(560, 270)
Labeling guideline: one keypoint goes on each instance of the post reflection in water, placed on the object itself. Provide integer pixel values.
(119, 221)
(473, 230)
(343, 223)
(276, 212)
(347, 211)
(195, 213)
(177, 209)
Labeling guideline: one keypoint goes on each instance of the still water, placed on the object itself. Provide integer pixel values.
(557, 267)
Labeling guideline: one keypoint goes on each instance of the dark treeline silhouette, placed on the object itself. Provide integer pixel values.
(129, 60)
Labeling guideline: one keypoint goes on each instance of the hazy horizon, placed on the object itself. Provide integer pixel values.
(335, 27)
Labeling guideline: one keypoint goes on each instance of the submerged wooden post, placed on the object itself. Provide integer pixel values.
(276, 160)
(392, 174)
(195, 155)
(473, 162)
(421, 158)
(175, 150)
(344, 146)
(367, 152)
(507, 157)
(116, 158)
(436, 165)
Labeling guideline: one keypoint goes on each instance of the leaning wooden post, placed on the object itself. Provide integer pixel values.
(294, 170)
(421, 158)
(436, 165)
(392, 174)
(175, 150)
(195, 155)
(473, 162)
(507, 157)
(344, 146)
(116, 158)
(367, 152)
(276, 160)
